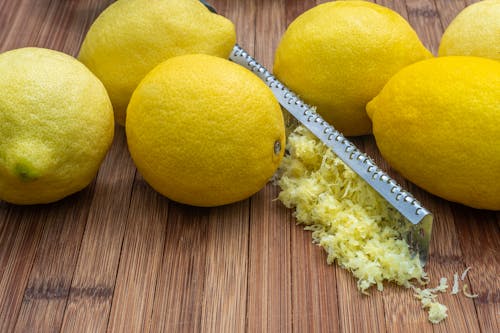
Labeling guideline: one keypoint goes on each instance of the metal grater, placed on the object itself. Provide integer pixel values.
(418, 237)
(418, 217)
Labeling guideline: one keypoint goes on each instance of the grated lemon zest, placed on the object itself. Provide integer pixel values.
(427, 297)
(455, 289)
(355, 226)
(464, 274)
(437, 312)
(466, 293)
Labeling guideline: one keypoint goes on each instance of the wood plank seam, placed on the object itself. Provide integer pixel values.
(18, 220)
(67, 293)
(155, 294)
(248, 255)
(251, 48)
(132, 189)
(121, 247)
(439, 16)
(18, 310)
(73, 275)
(77, 292)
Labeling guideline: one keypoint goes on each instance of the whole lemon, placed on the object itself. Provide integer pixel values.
(56, 125)
(438, 123)
(131, 37)
(338, 55)
(204, 131)
(475, 32)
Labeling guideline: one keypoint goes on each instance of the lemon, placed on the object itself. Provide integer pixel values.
(438, 123)
(475, 32)
(338, 55)
(204, 131)
(56, 125)
(131, 37)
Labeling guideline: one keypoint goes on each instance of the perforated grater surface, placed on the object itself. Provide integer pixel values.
(417, 218)
(420, 219)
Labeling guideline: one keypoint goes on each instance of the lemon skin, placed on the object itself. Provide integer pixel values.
(131, 37)
(56, 125)
(338, 55)
(204, 131)
(474, 32)
(437, 122)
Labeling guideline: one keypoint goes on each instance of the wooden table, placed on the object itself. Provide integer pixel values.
(117, 256)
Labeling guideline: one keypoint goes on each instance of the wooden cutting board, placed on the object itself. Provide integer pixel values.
(117, 256)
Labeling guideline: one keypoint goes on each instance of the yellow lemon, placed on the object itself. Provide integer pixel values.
(56, 125)
(338, 55)
(438, 123)
(131, 37)
(474, 32)
(204, 131)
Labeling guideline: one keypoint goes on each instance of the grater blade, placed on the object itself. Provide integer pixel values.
(418, 219)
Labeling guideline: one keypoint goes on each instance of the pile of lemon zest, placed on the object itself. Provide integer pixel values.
(437, 311)
(355, 226)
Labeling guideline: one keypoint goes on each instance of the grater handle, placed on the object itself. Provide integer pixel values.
(358, 161)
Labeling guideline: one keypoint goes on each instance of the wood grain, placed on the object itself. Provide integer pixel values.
(93, 283)
(181, 281)
(140, 260)
(425, 19)
(478, 235)
(269, 283)
(47, 290)
(118, 256)
(18, 242)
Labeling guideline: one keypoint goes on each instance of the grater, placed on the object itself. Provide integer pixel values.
(416, 217)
